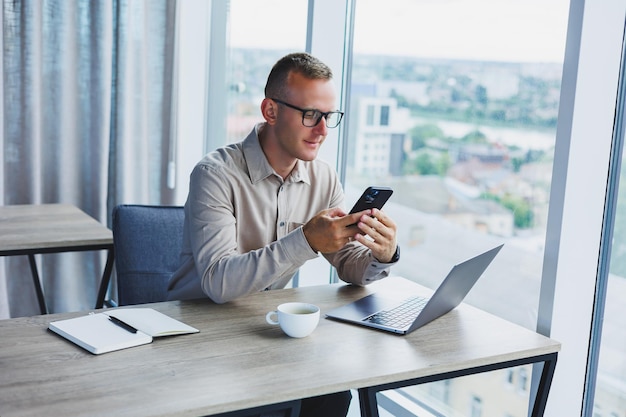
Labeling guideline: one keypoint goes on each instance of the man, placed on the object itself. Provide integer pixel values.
(259, 209)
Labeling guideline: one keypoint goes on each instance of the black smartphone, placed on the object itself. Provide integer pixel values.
(372, 197)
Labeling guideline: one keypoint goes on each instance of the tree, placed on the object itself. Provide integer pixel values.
(426, 163)
(522, 212)
(421, 133)
(523, 215)
(475, 136)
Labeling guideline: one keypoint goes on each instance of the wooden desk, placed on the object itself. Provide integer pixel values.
(53, 228)
(238, 361)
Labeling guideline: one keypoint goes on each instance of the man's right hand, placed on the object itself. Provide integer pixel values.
(329, 230)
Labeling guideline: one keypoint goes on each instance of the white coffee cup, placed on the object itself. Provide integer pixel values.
(295, 319)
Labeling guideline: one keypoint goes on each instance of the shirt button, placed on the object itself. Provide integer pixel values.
(282, 224)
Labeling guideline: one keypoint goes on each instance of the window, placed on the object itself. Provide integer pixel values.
(466, 139)
(476, 407)
(440, 391)
(522, 381)
(510, 376)
(370, 115)
(608, 391)
(505, 95)
(258, 36)
(384, 115)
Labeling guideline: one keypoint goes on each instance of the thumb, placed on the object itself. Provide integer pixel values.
(336, 212)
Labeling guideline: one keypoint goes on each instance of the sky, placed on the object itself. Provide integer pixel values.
(501, 30)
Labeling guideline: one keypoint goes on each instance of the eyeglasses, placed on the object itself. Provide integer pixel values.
(311, 117)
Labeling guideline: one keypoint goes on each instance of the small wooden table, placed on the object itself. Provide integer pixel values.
(53, 228)
(239, 362)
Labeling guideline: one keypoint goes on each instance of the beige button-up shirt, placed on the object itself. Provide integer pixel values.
(243, 226)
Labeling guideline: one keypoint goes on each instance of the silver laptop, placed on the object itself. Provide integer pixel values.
(384, 312)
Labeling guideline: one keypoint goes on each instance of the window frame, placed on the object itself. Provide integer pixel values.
(572, 250)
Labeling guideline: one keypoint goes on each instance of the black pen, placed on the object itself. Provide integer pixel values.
(123, 325)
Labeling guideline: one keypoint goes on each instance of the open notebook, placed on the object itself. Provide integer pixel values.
(117, 329)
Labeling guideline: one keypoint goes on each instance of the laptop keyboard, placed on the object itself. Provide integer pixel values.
(400, 316)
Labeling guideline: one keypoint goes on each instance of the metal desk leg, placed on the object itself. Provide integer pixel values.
(549, 365)
(368, 402)
(106, 278)
(37, 282)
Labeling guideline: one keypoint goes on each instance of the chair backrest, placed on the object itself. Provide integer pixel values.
(147, 241)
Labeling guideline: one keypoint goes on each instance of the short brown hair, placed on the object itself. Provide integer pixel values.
(300, 62)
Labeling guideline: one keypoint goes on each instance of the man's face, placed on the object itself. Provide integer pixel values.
(294, 139)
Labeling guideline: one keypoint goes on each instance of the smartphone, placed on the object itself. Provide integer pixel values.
(372, 197)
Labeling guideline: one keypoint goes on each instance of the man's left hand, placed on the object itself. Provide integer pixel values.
(378, 232)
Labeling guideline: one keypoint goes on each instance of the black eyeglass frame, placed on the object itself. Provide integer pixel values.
(311, 113)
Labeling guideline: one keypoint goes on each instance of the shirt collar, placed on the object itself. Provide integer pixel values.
(258, 166)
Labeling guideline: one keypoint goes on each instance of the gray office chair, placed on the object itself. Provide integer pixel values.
(147, 242)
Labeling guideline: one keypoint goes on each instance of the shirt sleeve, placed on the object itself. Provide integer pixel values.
(225, 273)
(355, 264)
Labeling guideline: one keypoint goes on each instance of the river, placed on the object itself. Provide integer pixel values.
(527, 139)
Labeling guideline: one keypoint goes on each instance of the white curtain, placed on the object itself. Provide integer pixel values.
(86, 116)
